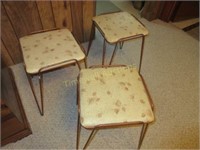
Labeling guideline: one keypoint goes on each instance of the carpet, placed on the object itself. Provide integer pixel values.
(170, 69)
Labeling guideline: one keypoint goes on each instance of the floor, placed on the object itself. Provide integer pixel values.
(171, 70)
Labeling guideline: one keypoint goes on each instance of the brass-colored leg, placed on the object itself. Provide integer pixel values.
(41, 93)
(79, 67)
(114, 51)
(90, 137)
(104, 51)
(121, 44)
(85, 62)
(91, 37)
(142, 134)
(41, 110)
(78, 132)
(141, 54)
(77, 91)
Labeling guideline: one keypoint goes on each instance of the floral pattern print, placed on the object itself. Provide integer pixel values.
(119, 25)
(48, 48)
(121, 97)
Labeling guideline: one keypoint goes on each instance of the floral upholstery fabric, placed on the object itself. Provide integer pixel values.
(111, 96)
(48, 48)
(119, 25)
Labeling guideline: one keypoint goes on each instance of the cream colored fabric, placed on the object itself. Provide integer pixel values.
(113, 95)
(119, 25)
(48, 48)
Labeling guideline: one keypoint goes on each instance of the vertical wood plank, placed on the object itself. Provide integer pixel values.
(62, 14)
(9, 37)
(77, 19)
(19, 18)
(5, 56)
(46, 14)
(24, 16)
(152, 9)
(89, 8)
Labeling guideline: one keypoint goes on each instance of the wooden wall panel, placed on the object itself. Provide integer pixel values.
(152, 9)
(46, 14)
(20, 18)
(9, 37)
(62, 14)
(5, 56)
(77, 19)
(24, 16)
(89, 8)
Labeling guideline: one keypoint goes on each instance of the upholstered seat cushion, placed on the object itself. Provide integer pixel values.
(48, 48)
(119, 25)
(113, 96)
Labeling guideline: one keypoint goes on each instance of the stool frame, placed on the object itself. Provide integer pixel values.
(48, 69)
(96, 128)
(120, 41)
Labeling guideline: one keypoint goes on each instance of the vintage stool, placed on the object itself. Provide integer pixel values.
(48, 50)
(100, 105)
(116, 28)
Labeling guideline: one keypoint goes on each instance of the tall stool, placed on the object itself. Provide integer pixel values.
(101, 106)
(46, 51)
(116, 28)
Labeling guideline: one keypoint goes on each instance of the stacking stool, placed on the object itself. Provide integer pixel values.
(111, 97)
(116, 28)
(48, 50)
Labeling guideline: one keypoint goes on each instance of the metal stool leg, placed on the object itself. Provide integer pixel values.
(41, 109)
(121, 44)
(142, 134)
(90, 137)
(85, 62)
(114, 51)
(78, 132)
(141, 54)
(79, 67)
(41, 93)
(104, 51)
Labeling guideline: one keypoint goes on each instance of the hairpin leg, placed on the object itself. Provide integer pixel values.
(90, 137)
(114, 51)
(141, 54)
(142, 134)
(78, 132)
(104, 51)
(121, 44)
(85, 62)
(41, 109)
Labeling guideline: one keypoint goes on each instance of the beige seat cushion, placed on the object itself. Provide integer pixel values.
(48, 48)
(113, 96)
(119, 25)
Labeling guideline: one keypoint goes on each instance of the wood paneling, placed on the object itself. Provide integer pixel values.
(20, 18)
(170, 10)
(46, 14)
(9, 38)
(152, 9)
(167, 11)
(62, 14)
(88, 7)
(185, 10)
(5, 56)
(24, 16)
(77, 19)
